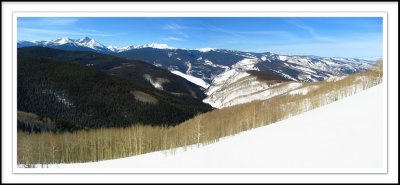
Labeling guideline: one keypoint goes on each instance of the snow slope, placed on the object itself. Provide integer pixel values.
(347, 134)
(195, 80)
(246, 89)
(237, 86)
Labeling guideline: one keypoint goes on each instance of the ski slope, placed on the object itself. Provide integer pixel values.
(347, 134)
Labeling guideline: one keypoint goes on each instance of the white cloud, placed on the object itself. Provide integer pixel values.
(172, 26)
(313, 33)
(173, 39)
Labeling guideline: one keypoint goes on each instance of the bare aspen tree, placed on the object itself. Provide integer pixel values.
(379, 64)
(254, 116)
(198, 129)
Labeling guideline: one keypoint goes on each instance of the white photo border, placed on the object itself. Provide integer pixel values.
(202, 13)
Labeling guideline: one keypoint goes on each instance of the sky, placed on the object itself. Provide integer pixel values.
(320, 36)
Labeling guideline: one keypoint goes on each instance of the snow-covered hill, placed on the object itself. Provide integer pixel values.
(344, 135)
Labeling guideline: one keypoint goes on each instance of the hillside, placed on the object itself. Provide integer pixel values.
(140, 73)
(70, 95)
(340, 135)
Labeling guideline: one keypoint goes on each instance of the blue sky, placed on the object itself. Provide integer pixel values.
(321, 36)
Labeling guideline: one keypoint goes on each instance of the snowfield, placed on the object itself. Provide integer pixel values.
(195, 80)
(347, 134)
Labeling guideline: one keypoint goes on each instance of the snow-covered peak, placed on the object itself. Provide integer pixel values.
(205, 49)
(85, 39)
(63, 41)
(88, 42)
(82, 42)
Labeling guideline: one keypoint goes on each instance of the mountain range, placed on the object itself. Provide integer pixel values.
(86, 44)
(220, 73)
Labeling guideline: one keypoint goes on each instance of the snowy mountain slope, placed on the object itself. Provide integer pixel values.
(192, 79)
(207, 63)
(236, 86)
(204, 65)
(347, 134)
(246, 64)
(247, 89)
(91, 43)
